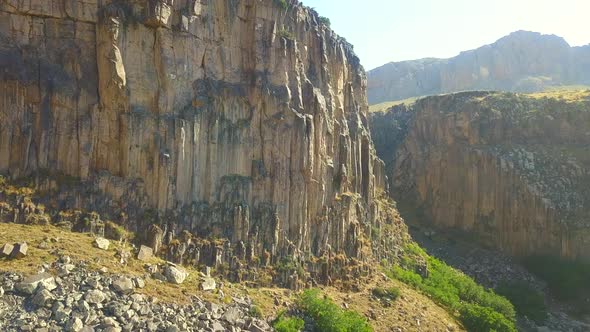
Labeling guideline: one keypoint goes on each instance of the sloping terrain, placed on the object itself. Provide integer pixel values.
(520, 62)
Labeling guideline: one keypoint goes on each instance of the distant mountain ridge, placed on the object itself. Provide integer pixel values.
(523, 61)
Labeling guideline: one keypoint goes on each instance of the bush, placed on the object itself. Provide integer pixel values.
(281, 3)
(390, 294)
(329, 317)
(478, 318)
(325, 21)
(528, 301)
(286, 34)
(567, 280)
(454, 290)
(288, 324)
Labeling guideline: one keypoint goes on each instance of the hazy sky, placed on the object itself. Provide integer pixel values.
(394, 30)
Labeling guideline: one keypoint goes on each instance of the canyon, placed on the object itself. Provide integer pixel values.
(511, 170)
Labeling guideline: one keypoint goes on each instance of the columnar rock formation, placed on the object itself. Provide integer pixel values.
(512, 169)
(522, 61)
(237, 119)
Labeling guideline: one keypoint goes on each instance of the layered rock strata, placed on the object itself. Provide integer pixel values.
(243, 120)
(512, 169)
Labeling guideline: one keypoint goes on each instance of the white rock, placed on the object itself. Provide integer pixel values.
(175, 274)
(30, 284)
(102, 243)
(145, 253)
(208, 284)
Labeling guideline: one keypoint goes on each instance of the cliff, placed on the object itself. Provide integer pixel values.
(513, 170)
(521, 62)
(243, 120)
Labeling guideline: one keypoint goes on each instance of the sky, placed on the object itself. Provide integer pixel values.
(395, 30)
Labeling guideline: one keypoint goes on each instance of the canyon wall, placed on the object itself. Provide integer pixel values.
(512, 170)
(522, 62)
(244, 120)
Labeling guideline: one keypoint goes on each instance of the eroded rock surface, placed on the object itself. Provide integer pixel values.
(240, 120)
(513, 169)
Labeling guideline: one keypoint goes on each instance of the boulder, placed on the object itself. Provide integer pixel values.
(174, 274)
(6, 250)
(95, 296)
(232, 315)
(74, 325)
(42, 298)
(102, 243)
(30, 284)
(123, 285)
(145, 253)
(20, 250)
(208, 284)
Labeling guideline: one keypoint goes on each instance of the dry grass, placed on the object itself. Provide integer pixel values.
(405, 312)
(566, 95)
(382, 107)
(79, 246)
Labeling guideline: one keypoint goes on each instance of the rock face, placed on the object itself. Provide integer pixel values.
(522, 62)
(235, 119)
(512, 169)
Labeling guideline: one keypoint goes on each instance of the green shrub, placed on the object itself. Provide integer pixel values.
(482, 319)
(325, 21)
(528, 301)
(281, 3)
(454, 290)
(286, 34)
(329, 317)
(390, 294)
(285, 323)
(567, 280)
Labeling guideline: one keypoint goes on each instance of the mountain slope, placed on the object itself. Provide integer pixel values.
(522, 62)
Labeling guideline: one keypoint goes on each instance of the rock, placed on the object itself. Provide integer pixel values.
(30, 284)
(138, 282)
(208, 284)
(145, 253)
(94, 296)
(6, 250)
(217, 327)
(174, 274)
(20, 250)
(489, 152)
(102, 243)
(172, 328)
(259, 326)
(42, 298)
(123, 285)
(231, 315)
(1, 291)
(308, 102)
(74, 325)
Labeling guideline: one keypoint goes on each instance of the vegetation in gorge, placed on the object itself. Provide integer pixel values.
(527, 301)
(567, 280)
(479, 309)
